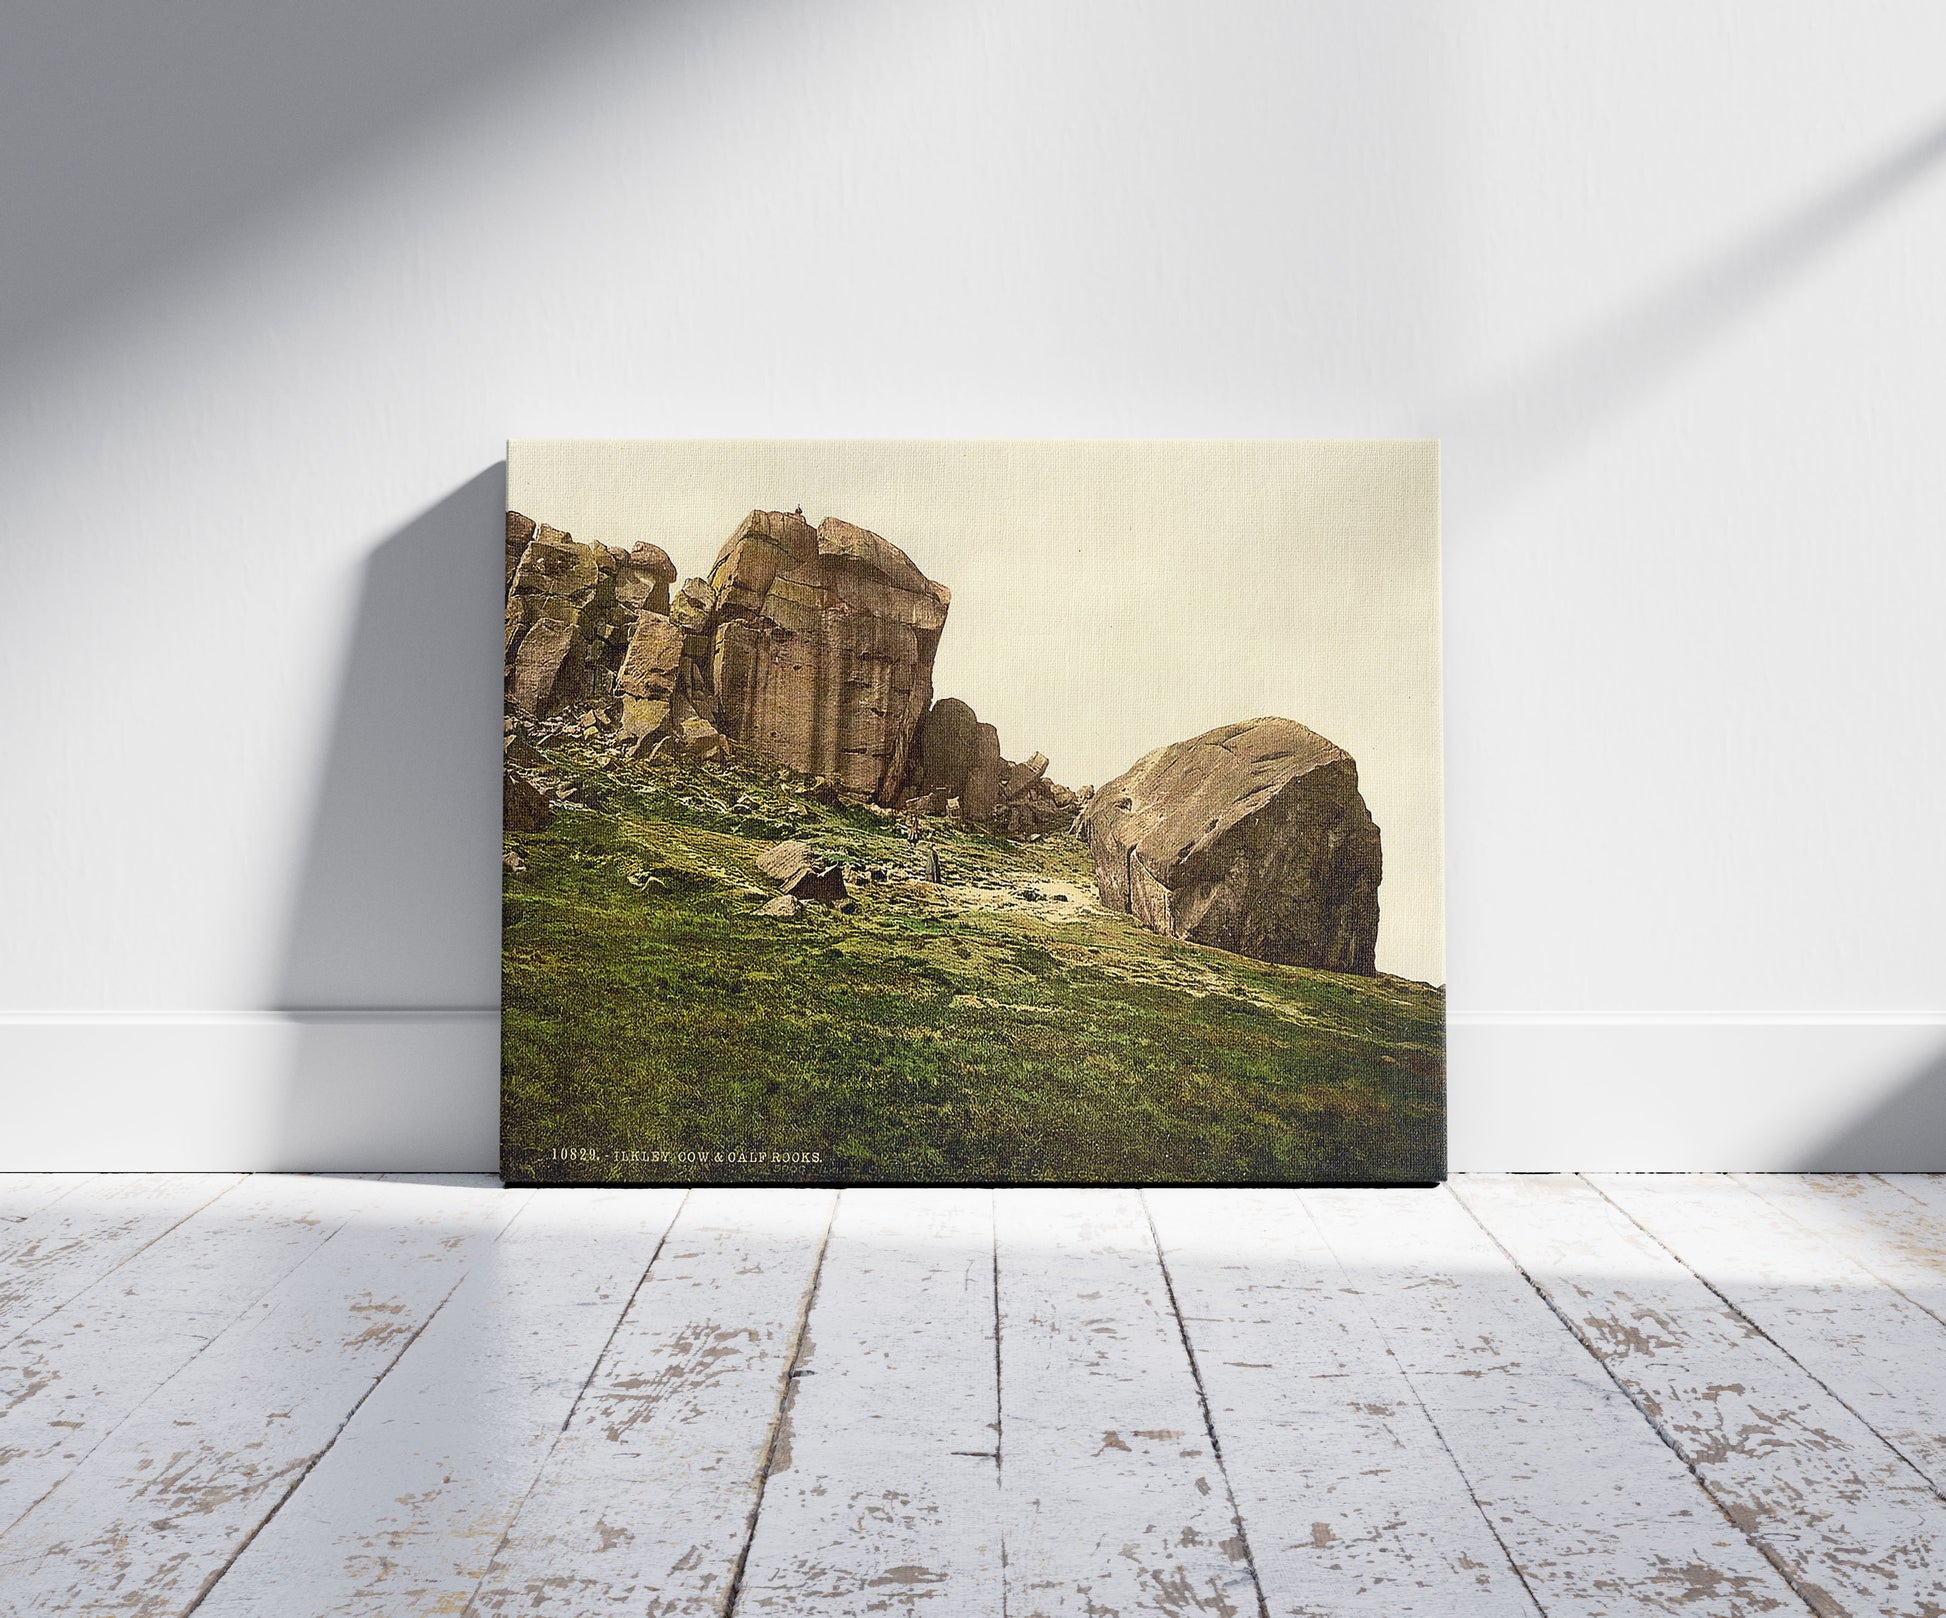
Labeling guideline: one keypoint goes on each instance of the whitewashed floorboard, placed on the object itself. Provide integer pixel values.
(646, 1502)
(66, 1245)
(1350, 1500)
(1113, 1499)
(69, 1380)
(1597, 1513)
(301, 1396)
(1857, 1529)
(404, 1512)
(23, 1194)
(1888, 1223)
(1878, 1352)
(883, 1494)
(153, 1515)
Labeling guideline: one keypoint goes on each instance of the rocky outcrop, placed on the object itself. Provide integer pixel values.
(1253, 838)
(811, 646)
(519, 531)
(571, 611)
(819, 648)
(960, 757)
(642, 579)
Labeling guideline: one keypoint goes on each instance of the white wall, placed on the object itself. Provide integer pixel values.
(1665, 278)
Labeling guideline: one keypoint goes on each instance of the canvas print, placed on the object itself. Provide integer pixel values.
(976, 813)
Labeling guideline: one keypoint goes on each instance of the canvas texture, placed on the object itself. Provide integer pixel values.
(972, 813)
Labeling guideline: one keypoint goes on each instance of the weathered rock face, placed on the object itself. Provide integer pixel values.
(647, 677)
(1252, 838)
(812, 646)
(642, 579)
(961, 757)
(820, 648)
(519, 531)
(566, 628)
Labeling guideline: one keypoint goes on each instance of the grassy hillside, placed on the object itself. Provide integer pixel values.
(995, 1026)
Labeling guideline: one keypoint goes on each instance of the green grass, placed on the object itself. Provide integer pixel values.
(954, 1033)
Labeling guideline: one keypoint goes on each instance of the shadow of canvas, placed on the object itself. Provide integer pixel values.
(1905, 1134)
(390, 972)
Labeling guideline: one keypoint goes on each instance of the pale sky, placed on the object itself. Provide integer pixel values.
(1110, 597)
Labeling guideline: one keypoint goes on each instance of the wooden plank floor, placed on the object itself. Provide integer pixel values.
(1521, 1395)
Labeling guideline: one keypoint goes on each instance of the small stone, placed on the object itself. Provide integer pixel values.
(796, 869)
(785, 905)
(523, 807)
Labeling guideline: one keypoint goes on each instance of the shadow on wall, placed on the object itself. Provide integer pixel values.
(1905, 1133)
(119, 165)
(390, 970)
(1514, 433)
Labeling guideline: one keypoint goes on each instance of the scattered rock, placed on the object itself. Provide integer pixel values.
(522, 807)
(702, 740)
(797, 869)
(513, 862)
(1252, 837)
(786, 905)
(1016, 780)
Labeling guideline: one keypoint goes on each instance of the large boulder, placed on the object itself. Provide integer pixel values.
(642, 579)
(1253, 838)
(961, 757)
(647, 677)
(820, 649)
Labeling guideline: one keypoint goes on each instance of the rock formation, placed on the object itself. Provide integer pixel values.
(1251, 837)
(820, 647)
(811, 646)
(571, 611)
(960, 757)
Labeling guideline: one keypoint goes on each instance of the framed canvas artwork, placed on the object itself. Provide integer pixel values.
(976, 813)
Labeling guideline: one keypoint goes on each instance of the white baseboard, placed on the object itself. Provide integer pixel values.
(418, 1090)
(250, 1090)
(1831, 1091)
